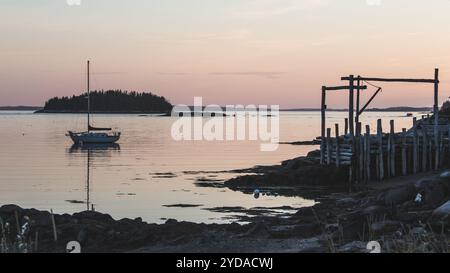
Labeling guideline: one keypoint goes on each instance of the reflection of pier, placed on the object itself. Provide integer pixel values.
(92, 150)
(375, 157)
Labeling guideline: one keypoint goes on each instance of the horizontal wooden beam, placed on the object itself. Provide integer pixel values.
(336, 88)
(391, 80)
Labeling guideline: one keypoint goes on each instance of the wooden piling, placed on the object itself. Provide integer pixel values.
(323, 109)
(328, 146)
(337, 145)
(360, 152)
(367, 153)
(346, 127)
(380, 150)
(436, 117)
(351, 105)
(415, 147)
(404, 158)
(392, 149)
(424, 149)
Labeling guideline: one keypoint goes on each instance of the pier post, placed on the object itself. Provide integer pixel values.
(328, 146)
(360, 152)
(337, 145)
(322, 140)
(424, 149)
(346, 126)
(380, 160)
(391, 148)
(358, 95)
(436, 117)
(404, 158)
(448, 145)
(368, 153)
(415, 147)
(351, 118)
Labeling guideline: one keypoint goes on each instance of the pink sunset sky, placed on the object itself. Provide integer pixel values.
(228, 51)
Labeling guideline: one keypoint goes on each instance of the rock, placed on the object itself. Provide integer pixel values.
(82, 236)
(418, 231)
(353, 247)
(93, 215)
(374, 212)
(10, 209)
(443, 211)
(41, 218)
(434, 191)
(386, 226)
(397, 196)
(314, 154)
(347, 201)
(435, 194)
(260, 229)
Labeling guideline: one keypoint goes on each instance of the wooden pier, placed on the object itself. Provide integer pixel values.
(386, 154)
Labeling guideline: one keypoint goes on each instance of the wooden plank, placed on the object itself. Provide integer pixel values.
(337, 88)
(393, 80)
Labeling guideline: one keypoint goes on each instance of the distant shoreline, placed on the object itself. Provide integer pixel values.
(40, 110)
(20, 108)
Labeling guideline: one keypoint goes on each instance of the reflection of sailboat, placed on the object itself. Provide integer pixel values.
(94, 147)
(88, 182)
(93, 134)
(92, 150)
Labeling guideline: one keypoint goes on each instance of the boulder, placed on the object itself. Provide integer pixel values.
(10, 209)
(353, 247)
(386, 226)
(397, 196)
(442, 211)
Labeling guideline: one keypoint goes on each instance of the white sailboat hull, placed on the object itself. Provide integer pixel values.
(94, 137)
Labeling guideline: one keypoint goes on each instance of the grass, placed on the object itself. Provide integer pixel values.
(15, 242)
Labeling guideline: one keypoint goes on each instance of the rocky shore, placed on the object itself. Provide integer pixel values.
(403, 215)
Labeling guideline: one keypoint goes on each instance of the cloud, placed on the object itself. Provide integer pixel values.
(173, 73)
(262, 74)
(260, 9)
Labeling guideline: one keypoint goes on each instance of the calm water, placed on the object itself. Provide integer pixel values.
(39, 167)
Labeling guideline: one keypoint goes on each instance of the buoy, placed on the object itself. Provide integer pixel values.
(256, 194)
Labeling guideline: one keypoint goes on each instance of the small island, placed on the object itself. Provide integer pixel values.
(110, 101)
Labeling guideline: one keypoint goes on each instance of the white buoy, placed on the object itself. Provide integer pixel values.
(256, 194)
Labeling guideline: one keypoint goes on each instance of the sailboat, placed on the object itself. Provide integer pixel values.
(93, 134)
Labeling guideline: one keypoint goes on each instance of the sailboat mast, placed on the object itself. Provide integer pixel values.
(89, 98)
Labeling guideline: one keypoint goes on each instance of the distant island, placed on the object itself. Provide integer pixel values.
(20, 108)
(110, 101)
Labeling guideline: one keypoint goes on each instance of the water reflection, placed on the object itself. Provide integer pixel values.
(92, 151)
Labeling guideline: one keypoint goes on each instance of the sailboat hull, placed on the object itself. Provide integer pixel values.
(94, 137)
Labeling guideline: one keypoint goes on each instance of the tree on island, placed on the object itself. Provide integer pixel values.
(114, 101)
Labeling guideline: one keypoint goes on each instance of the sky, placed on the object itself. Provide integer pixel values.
(262, 52)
